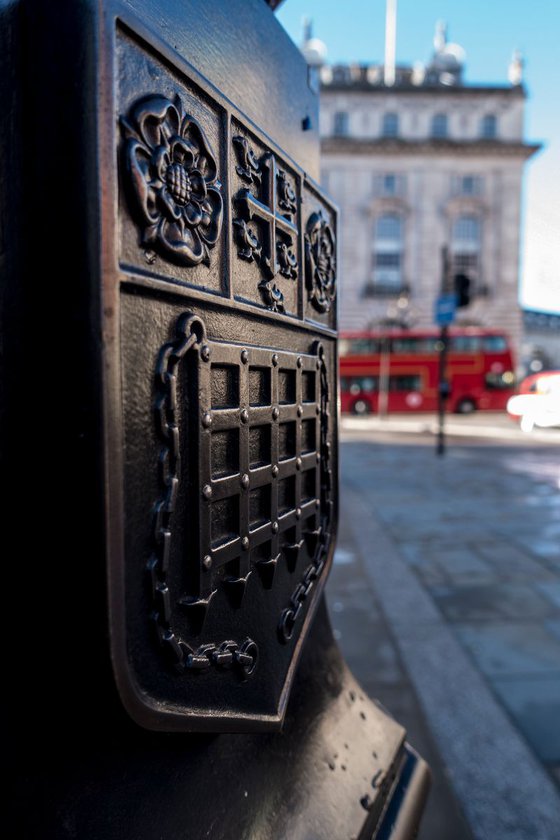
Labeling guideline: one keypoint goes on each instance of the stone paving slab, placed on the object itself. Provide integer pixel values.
(534, 705)
(551, 590)
(511, 649)
(554, 627)
(461, 554)
(493, 601)
(372, 655)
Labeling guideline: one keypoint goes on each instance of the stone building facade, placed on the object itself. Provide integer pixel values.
(424, 164)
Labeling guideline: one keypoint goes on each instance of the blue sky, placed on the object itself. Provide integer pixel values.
(489, 30)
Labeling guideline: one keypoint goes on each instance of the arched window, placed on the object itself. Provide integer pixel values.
(466, 243)
(390, 125)
(340, 126)
(439, 125)
(388, 251)
(489, 127)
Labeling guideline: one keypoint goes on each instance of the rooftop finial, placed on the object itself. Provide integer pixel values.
(440, 36)
(314, 50)
(515, 69)
(307, 25)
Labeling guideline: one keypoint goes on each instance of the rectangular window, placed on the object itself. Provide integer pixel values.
(389, 185)
(386, 260)
(405, 383)
(408, 346)
(494, 343)
(463, 263)
(467, 229)
(359, 346)
(489, 127)
(467, 185)
(389, 278)
(362, 384)
(439, 126)
(390, 125)
(389, 227)
(340, 125)
(465, 344)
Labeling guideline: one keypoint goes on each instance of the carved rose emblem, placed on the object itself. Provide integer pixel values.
(320, 255)
(172, 182)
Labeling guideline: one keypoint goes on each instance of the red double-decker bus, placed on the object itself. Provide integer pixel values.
(398, 370)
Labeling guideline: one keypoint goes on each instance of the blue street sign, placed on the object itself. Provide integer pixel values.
(445, 309)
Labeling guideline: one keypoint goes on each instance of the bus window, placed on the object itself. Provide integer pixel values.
(370, 384)
(360, 384)
(465, 344)
(404, 383)
(414, 345)
(427, 345)
(499, 381)
(358, 346)
(405, 345)
(494, 343)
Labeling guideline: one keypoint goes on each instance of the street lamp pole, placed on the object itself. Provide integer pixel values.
(444, 318)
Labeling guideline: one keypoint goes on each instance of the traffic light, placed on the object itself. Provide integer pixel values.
(462, 286)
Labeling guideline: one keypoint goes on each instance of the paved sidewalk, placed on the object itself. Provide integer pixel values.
(446, 598)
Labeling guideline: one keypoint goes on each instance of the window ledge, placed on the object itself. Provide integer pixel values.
(380, 290)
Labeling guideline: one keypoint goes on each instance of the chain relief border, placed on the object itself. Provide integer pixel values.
(227, 653)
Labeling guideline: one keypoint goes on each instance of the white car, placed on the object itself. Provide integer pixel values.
(538, 404)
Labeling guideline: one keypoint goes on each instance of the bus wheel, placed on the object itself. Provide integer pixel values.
(361, 407)
(465, 406)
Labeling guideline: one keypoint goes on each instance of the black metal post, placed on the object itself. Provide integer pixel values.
(443, 389)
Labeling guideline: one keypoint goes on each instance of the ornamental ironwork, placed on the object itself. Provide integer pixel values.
(171, 178)
(320, 262)
(265, 223)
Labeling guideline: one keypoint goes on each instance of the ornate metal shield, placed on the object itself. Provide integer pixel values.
(221, 395)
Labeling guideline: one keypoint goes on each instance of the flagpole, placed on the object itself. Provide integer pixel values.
(390, 42)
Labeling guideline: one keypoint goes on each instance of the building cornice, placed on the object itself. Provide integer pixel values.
(514, 91)
(396, 146)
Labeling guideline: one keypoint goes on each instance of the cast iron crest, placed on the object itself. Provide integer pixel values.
(227, 372)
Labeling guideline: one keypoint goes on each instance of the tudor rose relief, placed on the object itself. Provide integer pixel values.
(172, 181)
